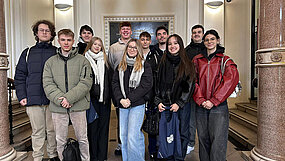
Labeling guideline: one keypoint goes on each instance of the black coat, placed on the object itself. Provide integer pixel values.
(153, 58)
(81, 47)
(107, 93)
(28, 75)
(172, 91)
(156, 49)
(194, 49)
(135, 95)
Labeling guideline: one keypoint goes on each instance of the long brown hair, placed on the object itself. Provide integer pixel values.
(185, 67)
(139, 58)
(89, 45)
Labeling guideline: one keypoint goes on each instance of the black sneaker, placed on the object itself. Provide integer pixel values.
(118, 150)
(54, 159)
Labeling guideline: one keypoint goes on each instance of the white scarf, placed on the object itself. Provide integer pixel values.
(98, 69)
(135, 76)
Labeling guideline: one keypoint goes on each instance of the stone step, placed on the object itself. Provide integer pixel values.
(16, 104)
(244, 119)
(19, 113)
(242, 134)
(248, 108)
(22, 127)
(23, 140)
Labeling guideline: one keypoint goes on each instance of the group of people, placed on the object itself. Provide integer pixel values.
(77, 85)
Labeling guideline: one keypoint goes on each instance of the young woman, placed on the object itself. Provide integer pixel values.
(132, 80)
(211, 93)
(176, 79)
(98, 129)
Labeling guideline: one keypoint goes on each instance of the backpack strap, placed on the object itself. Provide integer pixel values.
(27, 55)
(223, 64)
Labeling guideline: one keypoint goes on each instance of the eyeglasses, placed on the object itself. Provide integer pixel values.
(211, 39)
(44, 30)
(132, 47)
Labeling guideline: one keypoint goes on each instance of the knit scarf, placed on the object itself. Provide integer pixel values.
(135, 77)
(98, 69)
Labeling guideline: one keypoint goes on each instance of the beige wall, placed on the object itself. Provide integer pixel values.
(237, 42)
(20, 16)
(101, 8)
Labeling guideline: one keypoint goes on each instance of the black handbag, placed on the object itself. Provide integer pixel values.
(151, 122)
(71, 150)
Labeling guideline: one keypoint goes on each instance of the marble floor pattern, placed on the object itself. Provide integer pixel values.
(232, 153)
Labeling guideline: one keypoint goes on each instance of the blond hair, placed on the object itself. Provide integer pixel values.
(139, 58)
(89, 45)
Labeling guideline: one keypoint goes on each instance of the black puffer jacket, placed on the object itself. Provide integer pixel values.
(28, 76)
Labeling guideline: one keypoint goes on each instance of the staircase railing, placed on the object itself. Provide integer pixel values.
(11, 87)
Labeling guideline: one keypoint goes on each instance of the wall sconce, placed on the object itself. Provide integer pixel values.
(213, 3)
(63, 5)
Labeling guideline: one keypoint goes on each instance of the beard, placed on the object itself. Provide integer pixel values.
(162, 43)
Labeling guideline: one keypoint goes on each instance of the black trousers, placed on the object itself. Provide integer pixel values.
(98, 133)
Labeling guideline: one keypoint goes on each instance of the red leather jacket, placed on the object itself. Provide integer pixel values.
(209, 85)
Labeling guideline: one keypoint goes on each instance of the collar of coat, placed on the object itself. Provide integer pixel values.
(72, 53)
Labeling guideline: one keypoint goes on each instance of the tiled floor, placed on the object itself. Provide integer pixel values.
(232, 154)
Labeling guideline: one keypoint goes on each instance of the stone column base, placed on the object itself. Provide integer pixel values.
(9, 156)
(258, 157)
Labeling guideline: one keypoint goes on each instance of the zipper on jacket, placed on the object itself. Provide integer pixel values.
(66, 79)
(208, 79)
(65, 74)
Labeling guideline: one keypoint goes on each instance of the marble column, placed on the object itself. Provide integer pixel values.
(271, 85)
(6, 151)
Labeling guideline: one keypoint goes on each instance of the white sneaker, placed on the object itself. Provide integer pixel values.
(189, 149)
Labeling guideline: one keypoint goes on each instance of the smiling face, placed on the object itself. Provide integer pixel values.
(132, 49)
(197, 35)
(96, 47)
(161, 36)
(125, 32)
(86, 36)
(44, 33)
(211, 42)
(173, 46)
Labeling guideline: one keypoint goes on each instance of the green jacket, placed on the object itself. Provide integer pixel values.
(69, 77)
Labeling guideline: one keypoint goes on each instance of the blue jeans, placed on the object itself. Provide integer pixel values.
(212, 128)
(132, 138)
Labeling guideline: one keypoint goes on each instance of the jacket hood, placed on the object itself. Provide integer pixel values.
(73, 52)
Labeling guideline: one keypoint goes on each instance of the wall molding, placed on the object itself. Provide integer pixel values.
(108, 19)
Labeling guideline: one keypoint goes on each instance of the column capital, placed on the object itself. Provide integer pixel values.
(270, 57)
(4, 62)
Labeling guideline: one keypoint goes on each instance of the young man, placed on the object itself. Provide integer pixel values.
(116, 50)
(30, 92)
(115, 55)
(196, 45)
(161, 36)
(193, 49)
(67, 79)
(153, 59)
(86, 34)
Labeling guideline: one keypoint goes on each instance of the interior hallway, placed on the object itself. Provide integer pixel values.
(232, 153)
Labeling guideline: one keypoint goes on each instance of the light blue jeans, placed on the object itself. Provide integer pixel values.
(132, 138)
